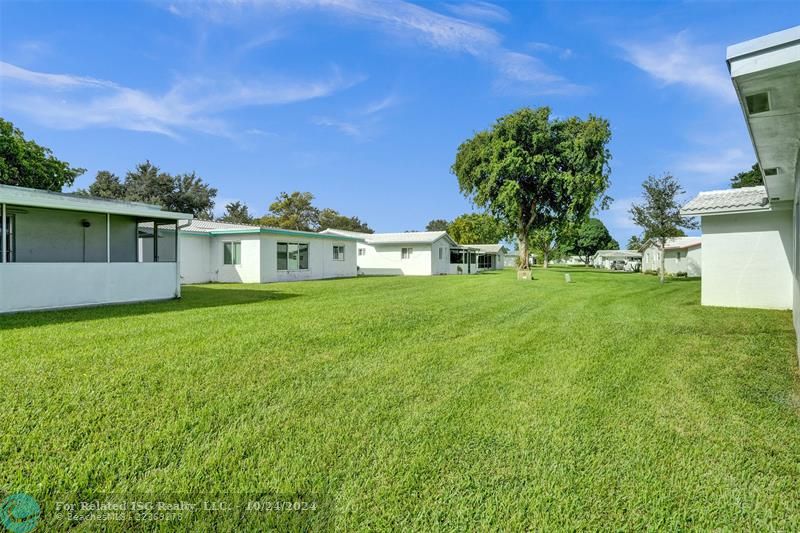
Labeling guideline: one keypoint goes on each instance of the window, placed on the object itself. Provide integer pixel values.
(232, 253)
(338, 253)
(757, 103)
(458, 257)
(405, 253)
(441, 253)
(484, 261)
(292, 256)
(362, 251)
(679, 256)
(9, 238)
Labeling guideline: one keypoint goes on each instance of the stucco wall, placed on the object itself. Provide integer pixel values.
(440, 265)
(196, 259)
(747, 260)
(321, 264)
(29, 286)
(249, 271)
(385, 260)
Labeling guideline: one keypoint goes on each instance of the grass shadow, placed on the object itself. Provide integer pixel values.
(193, 297)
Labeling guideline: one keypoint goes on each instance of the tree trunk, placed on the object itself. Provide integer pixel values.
(545, 257)
(523, 249)
(662, 260)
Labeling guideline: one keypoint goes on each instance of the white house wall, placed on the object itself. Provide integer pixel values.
(31, 286)
(321, 264)
(676, 261)
(386, 260)
(196, 259)
(747, 260)
(440, 256)
(249, 271)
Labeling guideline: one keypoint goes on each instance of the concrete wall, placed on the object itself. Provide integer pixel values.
(321, 264)
(30, 286)
(202, 259)
(688, 260)
(440, 257)
(747, 260)
(385, 260)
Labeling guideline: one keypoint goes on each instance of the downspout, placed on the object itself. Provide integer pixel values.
(178, 228)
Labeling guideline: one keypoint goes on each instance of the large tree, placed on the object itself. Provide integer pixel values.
(437, 224)
(590, 237)
(476, 228)
(659, 215)
(634, 243)
(332, 219)
(184, 193)
(24, 163)
(748, 178)
(236, 213)
(530, 170)
(292, 211)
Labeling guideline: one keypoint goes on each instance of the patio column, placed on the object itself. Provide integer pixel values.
(4, 233)
(108, 237)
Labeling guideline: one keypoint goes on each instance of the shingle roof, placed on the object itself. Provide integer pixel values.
(677, 243)
(618, 253)
(488, 248)
(728, 201)
(410, 237)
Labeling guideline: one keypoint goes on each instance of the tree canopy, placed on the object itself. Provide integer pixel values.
(588, 238)
(332, 219)
(236, 213)
(297, 211)
(476, 228)
(437, 224)
(659, 215)
(24, 163)
(634, 243)
(183, 193)
(748, 178)
(530, 170)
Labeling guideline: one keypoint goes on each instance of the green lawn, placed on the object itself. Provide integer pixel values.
(458, 402)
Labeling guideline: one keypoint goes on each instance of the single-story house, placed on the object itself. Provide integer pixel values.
(240, 253)
(511, 259)
(413, 253)
(605, 258)
(62, 250)
(751, 252)
(682, 255)
(569, 260)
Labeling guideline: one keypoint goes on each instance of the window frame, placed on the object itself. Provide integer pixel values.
(406, 253)
(362, 251)
(338, 252)
(302, 251)
(235, 253)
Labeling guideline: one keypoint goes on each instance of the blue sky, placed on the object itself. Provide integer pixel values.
(364, 103)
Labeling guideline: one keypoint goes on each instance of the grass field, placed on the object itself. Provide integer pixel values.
(461, 402)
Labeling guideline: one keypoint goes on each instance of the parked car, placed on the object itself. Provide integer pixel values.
(617, 265)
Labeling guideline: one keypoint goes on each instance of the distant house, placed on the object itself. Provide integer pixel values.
(570, 260)
(606, 258)
(239, 253)
(682, 255)
(62, 250)
(422, 253)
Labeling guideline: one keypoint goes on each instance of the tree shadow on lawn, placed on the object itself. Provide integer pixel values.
(193, 297)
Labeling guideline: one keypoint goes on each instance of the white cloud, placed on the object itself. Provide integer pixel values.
(412, 21)
(676, 60)
(73, 102)
(348, 128)
(563, 53)
(381, 105)
(480, 11)
(715, 167)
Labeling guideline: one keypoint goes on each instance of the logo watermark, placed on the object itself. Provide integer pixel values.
(19, 513)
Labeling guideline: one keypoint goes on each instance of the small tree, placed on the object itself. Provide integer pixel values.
(660, 214)
(545, 241)
(236, 213)
(634, 243)
(437, 224)
(529, 170)
(106, 185)
(476, 228)
(24, 163)
(748, 178)
(588, 238)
